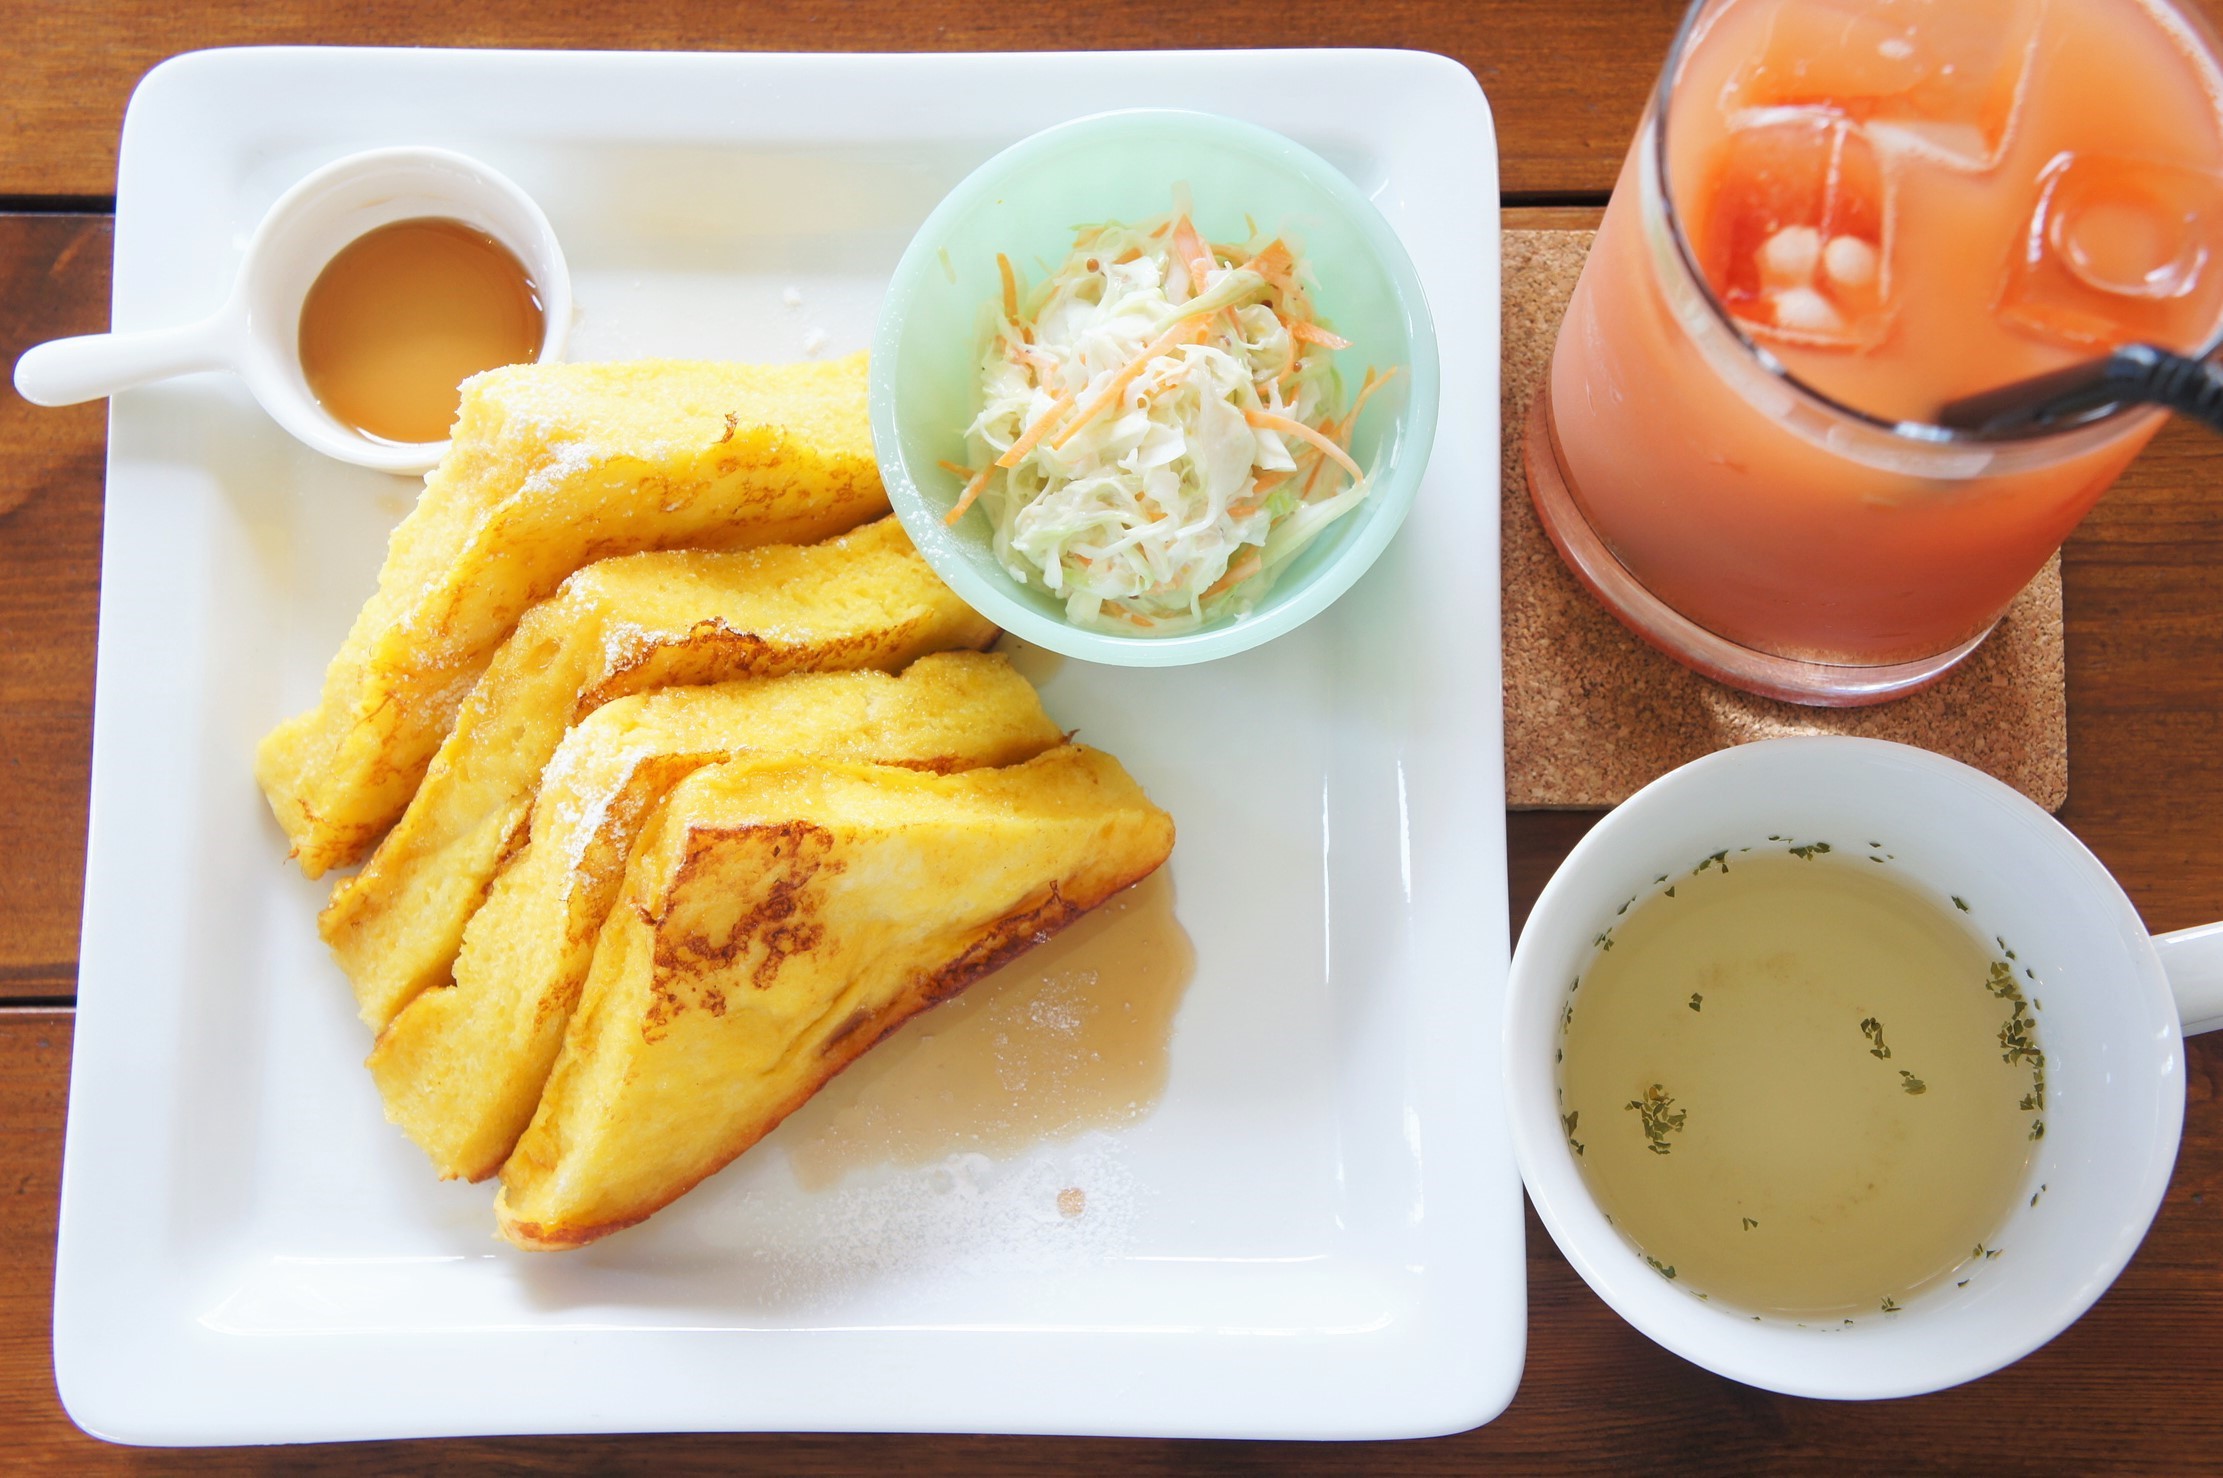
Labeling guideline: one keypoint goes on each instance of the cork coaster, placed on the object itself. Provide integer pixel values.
(1592, 713)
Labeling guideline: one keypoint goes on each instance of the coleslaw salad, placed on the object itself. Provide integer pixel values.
(1161, 428)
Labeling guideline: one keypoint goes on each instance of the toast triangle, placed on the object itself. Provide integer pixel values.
(865, 599)
(551, 467)
(774, 923)
(461, 1067)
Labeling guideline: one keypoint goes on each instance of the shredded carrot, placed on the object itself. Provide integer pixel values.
(1033, 358)
(965, 498)
(1151, 392)
(1276, 265)
(1181, 333)
(1037, 431)
(1266, 482)
(1267, 420)
(1243, 509)
(1010, 287)
(1191, 249)
(954, 470)
(1379, 380)
(1312, 333)
(1237, 573)
(1130, 254)
(1367, 387)
(1273, 260)
(1341, 430)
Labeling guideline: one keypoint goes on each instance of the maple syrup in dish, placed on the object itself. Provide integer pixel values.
(402, 315)
(1801, 1086)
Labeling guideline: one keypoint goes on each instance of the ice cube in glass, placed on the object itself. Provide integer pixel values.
(1793, 229)
(2118, 250)
(1942, 76)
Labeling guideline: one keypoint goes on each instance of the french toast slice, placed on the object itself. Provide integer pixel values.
(551, 467)
(777, 920)
(624, 625)
(461, 1067)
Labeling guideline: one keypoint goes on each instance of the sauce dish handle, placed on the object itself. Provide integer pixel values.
(66, 371)
(2194, 960)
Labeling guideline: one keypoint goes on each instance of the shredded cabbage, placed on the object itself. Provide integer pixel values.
(1129, 448)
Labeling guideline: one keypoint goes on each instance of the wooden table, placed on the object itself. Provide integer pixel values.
(2134, 1385)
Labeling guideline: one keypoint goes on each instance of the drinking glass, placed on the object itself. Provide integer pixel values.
(1734, 449)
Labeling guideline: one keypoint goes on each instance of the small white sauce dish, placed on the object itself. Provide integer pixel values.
(256, 333)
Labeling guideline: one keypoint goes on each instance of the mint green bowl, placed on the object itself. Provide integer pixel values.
(1027, 202)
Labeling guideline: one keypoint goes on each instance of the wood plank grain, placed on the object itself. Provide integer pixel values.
(34, 1092)
(53, 281)
(1550, 217)
(2142, 593)
(1567, 80)
(2128, 1389)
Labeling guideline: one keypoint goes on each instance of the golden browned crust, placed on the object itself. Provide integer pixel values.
(552, 467)
(649, 621)
(779, 922)
(461, 1067)
(742, 968)
(1000, 942)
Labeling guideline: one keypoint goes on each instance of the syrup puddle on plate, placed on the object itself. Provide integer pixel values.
(1071, 1036)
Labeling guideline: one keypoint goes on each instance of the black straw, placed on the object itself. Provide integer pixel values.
(2136, 374)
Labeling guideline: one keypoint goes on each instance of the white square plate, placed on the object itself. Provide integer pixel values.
(1318, 1231)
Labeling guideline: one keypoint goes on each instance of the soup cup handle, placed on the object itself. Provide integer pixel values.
(2194, 960)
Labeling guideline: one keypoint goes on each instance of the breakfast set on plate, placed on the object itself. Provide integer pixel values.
(712, 715)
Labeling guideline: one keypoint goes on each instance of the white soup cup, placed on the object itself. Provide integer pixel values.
(2116, 1005)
